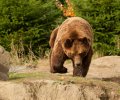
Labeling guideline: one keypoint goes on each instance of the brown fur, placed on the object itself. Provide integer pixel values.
(71, 40)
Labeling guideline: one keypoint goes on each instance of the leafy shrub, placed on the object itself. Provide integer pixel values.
(29, 22)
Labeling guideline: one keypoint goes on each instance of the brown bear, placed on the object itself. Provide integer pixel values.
(71, 40)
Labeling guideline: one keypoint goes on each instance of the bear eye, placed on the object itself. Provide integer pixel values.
(84, 41)
(68, 43)
(83, 54)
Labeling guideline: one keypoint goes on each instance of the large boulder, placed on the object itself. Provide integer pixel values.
(105, 67)
(4, 63)
(4, 57)
(58, 90)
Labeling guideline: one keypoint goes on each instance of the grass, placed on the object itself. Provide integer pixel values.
(43, 75)
(16, 76)
(18, 56)
(68, 79)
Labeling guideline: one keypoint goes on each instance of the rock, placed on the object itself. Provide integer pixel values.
(3, 72)
(55, 90)
(4, 57)
(107, 61)
(3, 76)
(4, 63)
(105, 67)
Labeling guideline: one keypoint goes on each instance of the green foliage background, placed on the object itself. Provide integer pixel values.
(30, 22)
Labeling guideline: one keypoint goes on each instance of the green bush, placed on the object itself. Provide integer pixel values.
(28, 22)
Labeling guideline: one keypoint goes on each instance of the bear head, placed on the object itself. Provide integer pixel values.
(76, 46)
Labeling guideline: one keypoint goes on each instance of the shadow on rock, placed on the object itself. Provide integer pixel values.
(112, 79)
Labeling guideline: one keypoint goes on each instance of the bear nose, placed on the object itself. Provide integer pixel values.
(77, 65)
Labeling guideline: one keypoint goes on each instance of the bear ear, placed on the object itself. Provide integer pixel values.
(68, 43)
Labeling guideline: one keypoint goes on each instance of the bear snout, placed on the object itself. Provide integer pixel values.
(77, 62)
(78, 65)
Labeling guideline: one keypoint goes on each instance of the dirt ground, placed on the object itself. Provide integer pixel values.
(106, 68)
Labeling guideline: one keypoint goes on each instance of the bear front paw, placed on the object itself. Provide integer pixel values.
(58, 70)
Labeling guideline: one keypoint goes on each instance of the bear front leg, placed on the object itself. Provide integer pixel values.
(86, 62)
(57, 59)
(77, 70)
(83, 69)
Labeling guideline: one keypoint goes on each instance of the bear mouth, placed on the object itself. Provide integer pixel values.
(78, 65)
